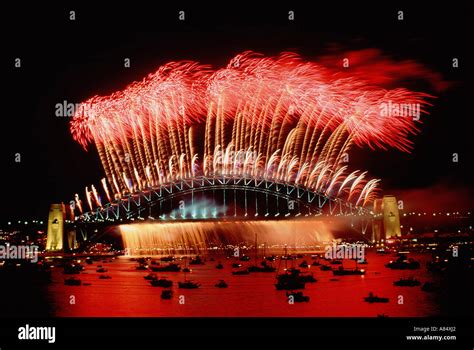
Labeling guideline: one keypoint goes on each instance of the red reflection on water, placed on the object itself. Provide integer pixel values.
(129, 294)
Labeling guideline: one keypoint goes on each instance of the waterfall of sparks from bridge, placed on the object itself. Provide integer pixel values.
(200, 237)
(278, 118)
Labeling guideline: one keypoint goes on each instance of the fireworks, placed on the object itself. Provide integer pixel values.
(277, 118)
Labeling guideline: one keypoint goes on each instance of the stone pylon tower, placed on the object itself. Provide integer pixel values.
(57, 213)
(387, 220)
(391, 217)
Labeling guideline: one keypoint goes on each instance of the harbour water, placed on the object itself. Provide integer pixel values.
(128, 294)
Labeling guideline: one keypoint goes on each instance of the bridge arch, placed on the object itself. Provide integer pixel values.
(235, 197)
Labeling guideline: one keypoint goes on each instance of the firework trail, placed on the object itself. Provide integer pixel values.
(278, 118)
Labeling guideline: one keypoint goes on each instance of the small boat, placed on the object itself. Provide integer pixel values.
(188, 285)
(315, 263)
(341, 271)
(168, 258)
(73, 269)
(264, 267)
(297, 297)
(167, 294)
(290, 280)
(196, 261)
(241, 272)
(211, 259)
(105, 277)
(304, 264)
(244, 258)
(162, 282)
(151, 276)
(403, 264)
(73, 281)
(186, 269)
(101, 270)
(221, 284)
(236, 265)
(407, 282)
(326, 268)
(219, 266)
(307, 278)
(142, 267)
(375, 299)
(270, 258)
(172, 267)
(89, 261)
(335, 262)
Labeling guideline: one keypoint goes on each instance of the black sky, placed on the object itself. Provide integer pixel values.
(64, 60)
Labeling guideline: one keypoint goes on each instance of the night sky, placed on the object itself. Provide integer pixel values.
(74, 60)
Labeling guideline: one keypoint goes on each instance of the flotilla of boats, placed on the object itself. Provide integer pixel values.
(292, 279)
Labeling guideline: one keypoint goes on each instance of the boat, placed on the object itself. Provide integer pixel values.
(264, 267)
(151, 276)
(325, 268)
(167, 294)
(161, 282)
(341, 271)
(105, 277)
(244, 258)
(375, 299)
(402, 263)
(89, 261)
(236, 265)
(171, 267)
(167, 258)
(290, 280)
(289, 285)
(186, 269)
(142, 267)
(407, 282)
(297, 297)
(303, 264)
(221, 284)
(188, 285)
(73, 268)
(73, 281)
(307, 277)
(241, 272)
(196, 261)
(219, 266)
(101, 270)
(315, 263)
(335, 262)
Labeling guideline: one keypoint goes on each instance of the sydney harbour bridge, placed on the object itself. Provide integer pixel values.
(265, 138)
